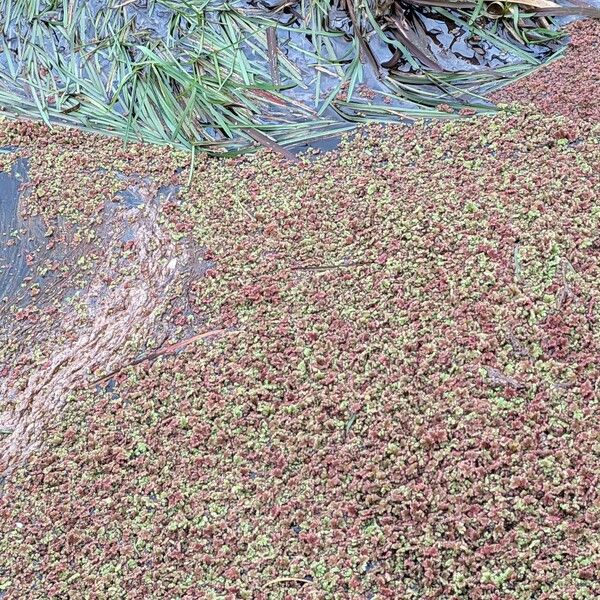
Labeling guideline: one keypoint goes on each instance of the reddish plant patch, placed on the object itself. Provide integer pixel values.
(406, 404)
(409, 406)
(569, 86)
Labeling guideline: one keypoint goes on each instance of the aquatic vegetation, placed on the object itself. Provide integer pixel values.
(400, 397)
(546, 90)
(216, 76)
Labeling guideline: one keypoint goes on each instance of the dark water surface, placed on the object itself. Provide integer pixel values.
(14, 243)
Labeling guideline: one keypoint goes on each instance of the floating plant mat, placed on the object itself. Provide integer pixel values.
(223, 76)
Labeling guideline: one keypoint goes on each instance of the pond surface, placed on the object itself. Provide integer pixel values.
(14, 243)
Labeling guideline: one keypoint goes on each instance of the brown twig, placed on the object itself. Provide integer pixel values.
(517, 259)
(332, 267)
(267, 142)
(273, 59)
(518, 347)
(365, 50)
(500, 379)
(286, 579)
(162, 351)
